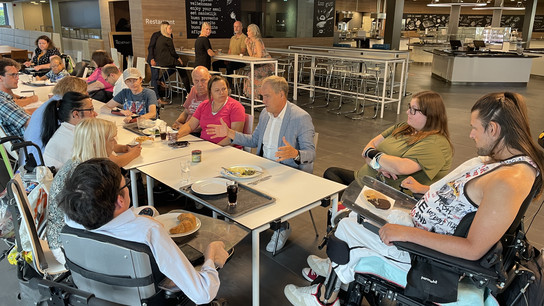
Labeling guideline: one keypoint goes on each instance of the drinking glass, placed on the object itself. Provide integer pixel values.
(185, 166)
(232, 193)
(162, 130)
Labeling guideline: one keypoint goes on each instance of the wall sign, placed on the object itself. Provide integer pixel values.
(323, 18)
(424, 21)
(221, 14)
(538, 25)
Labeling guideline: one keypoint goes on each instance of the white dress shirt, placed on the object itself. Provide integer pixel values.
(271, 135)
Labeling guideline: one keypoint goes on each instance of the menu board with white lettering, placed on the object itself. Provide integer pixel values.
(538, 26)
(323, 18)
(220, 14)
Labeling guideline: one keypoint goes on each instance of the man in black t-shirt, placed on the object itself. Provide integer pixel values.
(203, 47)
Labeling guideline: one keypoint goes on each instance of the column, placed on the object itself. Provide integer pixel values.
(497, 14)
(393, 23)
(528, 21)
(455, 13)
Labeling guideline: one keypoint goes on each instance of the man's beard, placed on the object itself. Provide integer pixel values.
(486, 150)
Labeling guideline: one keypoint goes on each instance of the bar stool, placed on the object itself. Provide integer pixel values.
(237, 81)
(317, 72)
(171, 85)
(363, 76)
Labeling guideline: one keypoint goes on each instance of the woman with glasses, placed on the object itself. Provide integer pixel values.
(59, 120)
(419, 147)
(218, 106)
(99, 89)
(93, 138)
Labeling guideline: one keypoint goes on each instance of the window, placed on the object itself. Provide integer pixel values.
(3, 15)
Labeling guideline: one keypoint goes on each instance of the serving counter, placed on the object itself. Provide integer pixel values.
(481, 67)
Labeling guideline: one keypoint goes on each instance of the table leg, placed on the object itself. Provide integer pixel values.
(255, 263)
(150, 183)
(334, 200)
(295, 78)
(252, 81)
(134, 187)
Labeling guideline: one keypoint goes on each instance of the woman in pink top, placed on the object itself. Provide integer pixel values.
(220, 106)
(98, 87)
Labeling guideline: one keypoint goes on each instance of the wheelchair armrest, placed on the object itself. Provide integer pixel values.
(469, 267)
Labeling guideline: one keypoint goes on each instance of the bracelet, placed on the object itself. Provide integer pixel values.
(371, 152)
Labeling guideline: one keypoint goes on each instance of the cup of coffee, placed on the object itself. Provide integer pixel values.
(232, 193)
(162, 131)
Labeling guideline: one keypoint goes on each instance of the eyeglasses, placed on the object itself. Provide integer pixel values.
(85, 109)
(413, 110)
(15, 75)
(127, 184)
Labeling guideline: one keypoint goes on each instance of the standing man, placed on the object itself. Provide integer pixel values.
(96, 198)
(237, 46)
(203, 47)
(112, 75)
(151, 57)
(198, 94)
(285, 133)
(13, 118)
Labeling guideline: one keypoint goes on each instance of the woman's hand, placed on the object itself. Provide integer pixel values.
(28, 63)
(394, 232)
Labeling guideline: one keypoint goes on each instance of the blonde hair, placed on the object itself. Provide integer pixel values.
(165, 26)
(91, 137)
(70, 83)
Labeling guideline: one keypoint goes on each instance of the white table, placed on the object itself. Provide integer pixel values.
(252, 61)
(295, 191)
(27, 90)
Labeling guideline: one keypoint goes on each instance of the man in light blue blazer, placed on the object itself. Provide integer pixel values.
(285, 133)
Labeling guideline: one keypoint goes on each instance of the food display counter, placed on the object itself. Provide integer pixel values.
(538, 61)
(481, 67)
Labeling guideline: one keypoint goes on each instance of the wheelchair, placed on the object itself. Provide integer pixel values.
(478, 282)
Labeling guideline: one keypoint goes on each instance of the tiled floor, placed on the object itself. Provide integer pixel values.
(340, 143)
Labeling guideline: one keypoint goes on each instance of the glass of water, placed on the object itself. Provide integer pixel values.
(185, 166)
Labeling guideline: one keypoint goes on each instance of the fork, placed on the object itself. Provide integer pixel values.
(260, 180)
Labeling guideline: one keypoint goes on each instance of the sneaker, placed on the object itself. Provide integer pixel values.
(309, 274)
(283, 235)
(305, 296)
(318, 265)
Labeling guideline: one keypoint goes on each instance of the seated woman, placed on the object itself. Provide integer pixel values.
(33, 131)
(166, 56)
(45, 49)
(493, 185)
(419, 147)
(255, 48)
(59, 139)
(100, 89)
(93, 138)
(57, 71)
(219, 106)
(135, 100)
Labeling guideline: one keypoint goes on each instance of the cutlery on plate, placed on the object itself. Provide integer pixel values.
(260, 180)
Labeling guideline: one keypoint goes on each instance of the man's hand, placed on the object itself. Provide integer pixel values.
(176, 125)
(216, 252)
(95, 86)
(218, 130)
(286, 152)
(153, 63)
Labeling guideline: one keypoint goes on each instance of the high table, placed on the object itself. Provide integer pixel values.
(295, 191)
(6, 50)
(252, 61)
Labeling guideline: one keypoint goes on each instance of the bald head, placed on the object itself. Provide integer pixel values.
(238, 27)
(201, 76)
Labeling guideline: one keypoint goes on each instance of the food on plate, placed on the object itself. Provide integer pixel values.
(378, 199)
(242, 171)
(187, 222)
(141, 139)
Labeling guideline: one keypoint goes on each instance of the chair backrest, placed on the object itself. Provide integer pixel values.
(20, 56)
(7, 145)
(140, 65)
(43, 260)
(79, 69)
(129, 275)
(316, 138)
(248, 128)
(86, 72)
(115, 57)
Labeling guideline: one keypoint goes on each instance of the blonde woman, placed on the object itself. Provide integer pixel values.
(255, 48)
(166, 56)
(93, 137)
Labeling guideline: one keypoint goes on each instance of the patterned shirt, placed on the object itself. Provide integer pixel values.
(446, 202)
(12, 117)
(44, 59)
(56, 77)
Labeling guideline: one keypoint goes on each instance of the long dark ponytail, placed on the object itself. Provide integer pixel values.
(60, 111)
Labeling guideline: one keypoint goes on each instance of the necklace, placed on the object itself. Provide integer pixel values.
(215, 108)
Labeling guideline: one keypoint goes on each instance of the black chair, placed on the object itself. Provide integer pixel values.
(115, 270)
(79, 69)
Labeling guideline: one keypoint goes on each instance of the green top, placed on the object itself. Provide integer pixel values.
(433, 153)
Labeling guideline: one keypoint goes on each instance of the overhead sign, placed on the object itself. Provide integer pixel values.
(220, 14)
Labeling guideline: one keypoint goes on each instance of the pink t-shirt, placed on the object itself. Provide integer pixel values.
(193, 101)
(97, 76)
(232, 111)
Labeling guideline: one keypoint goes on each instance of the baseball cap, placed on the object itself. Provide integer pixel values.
(131, 73)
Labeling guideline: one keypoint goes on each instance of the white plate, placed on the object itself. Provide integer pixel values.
(171, 220)
(38, 82)
(211, 186)
(150, 131)
(258, 172)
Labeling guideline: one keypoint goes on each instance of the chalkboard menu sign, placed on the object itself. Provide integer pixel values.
(538, 25)
(323, 18)
(513, 21)
(424, 21)
(220, 14)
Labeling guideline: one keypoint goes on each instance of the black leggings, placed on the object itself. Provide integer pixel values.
(340, 175)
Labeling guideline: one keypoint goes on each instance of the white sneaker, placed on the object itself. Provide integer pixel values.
(305, 296)
(283, 235)
(309, 274)
(320, 266)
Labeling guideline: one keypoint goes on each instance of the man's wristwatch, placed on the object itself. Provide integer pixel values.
(297, 158)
